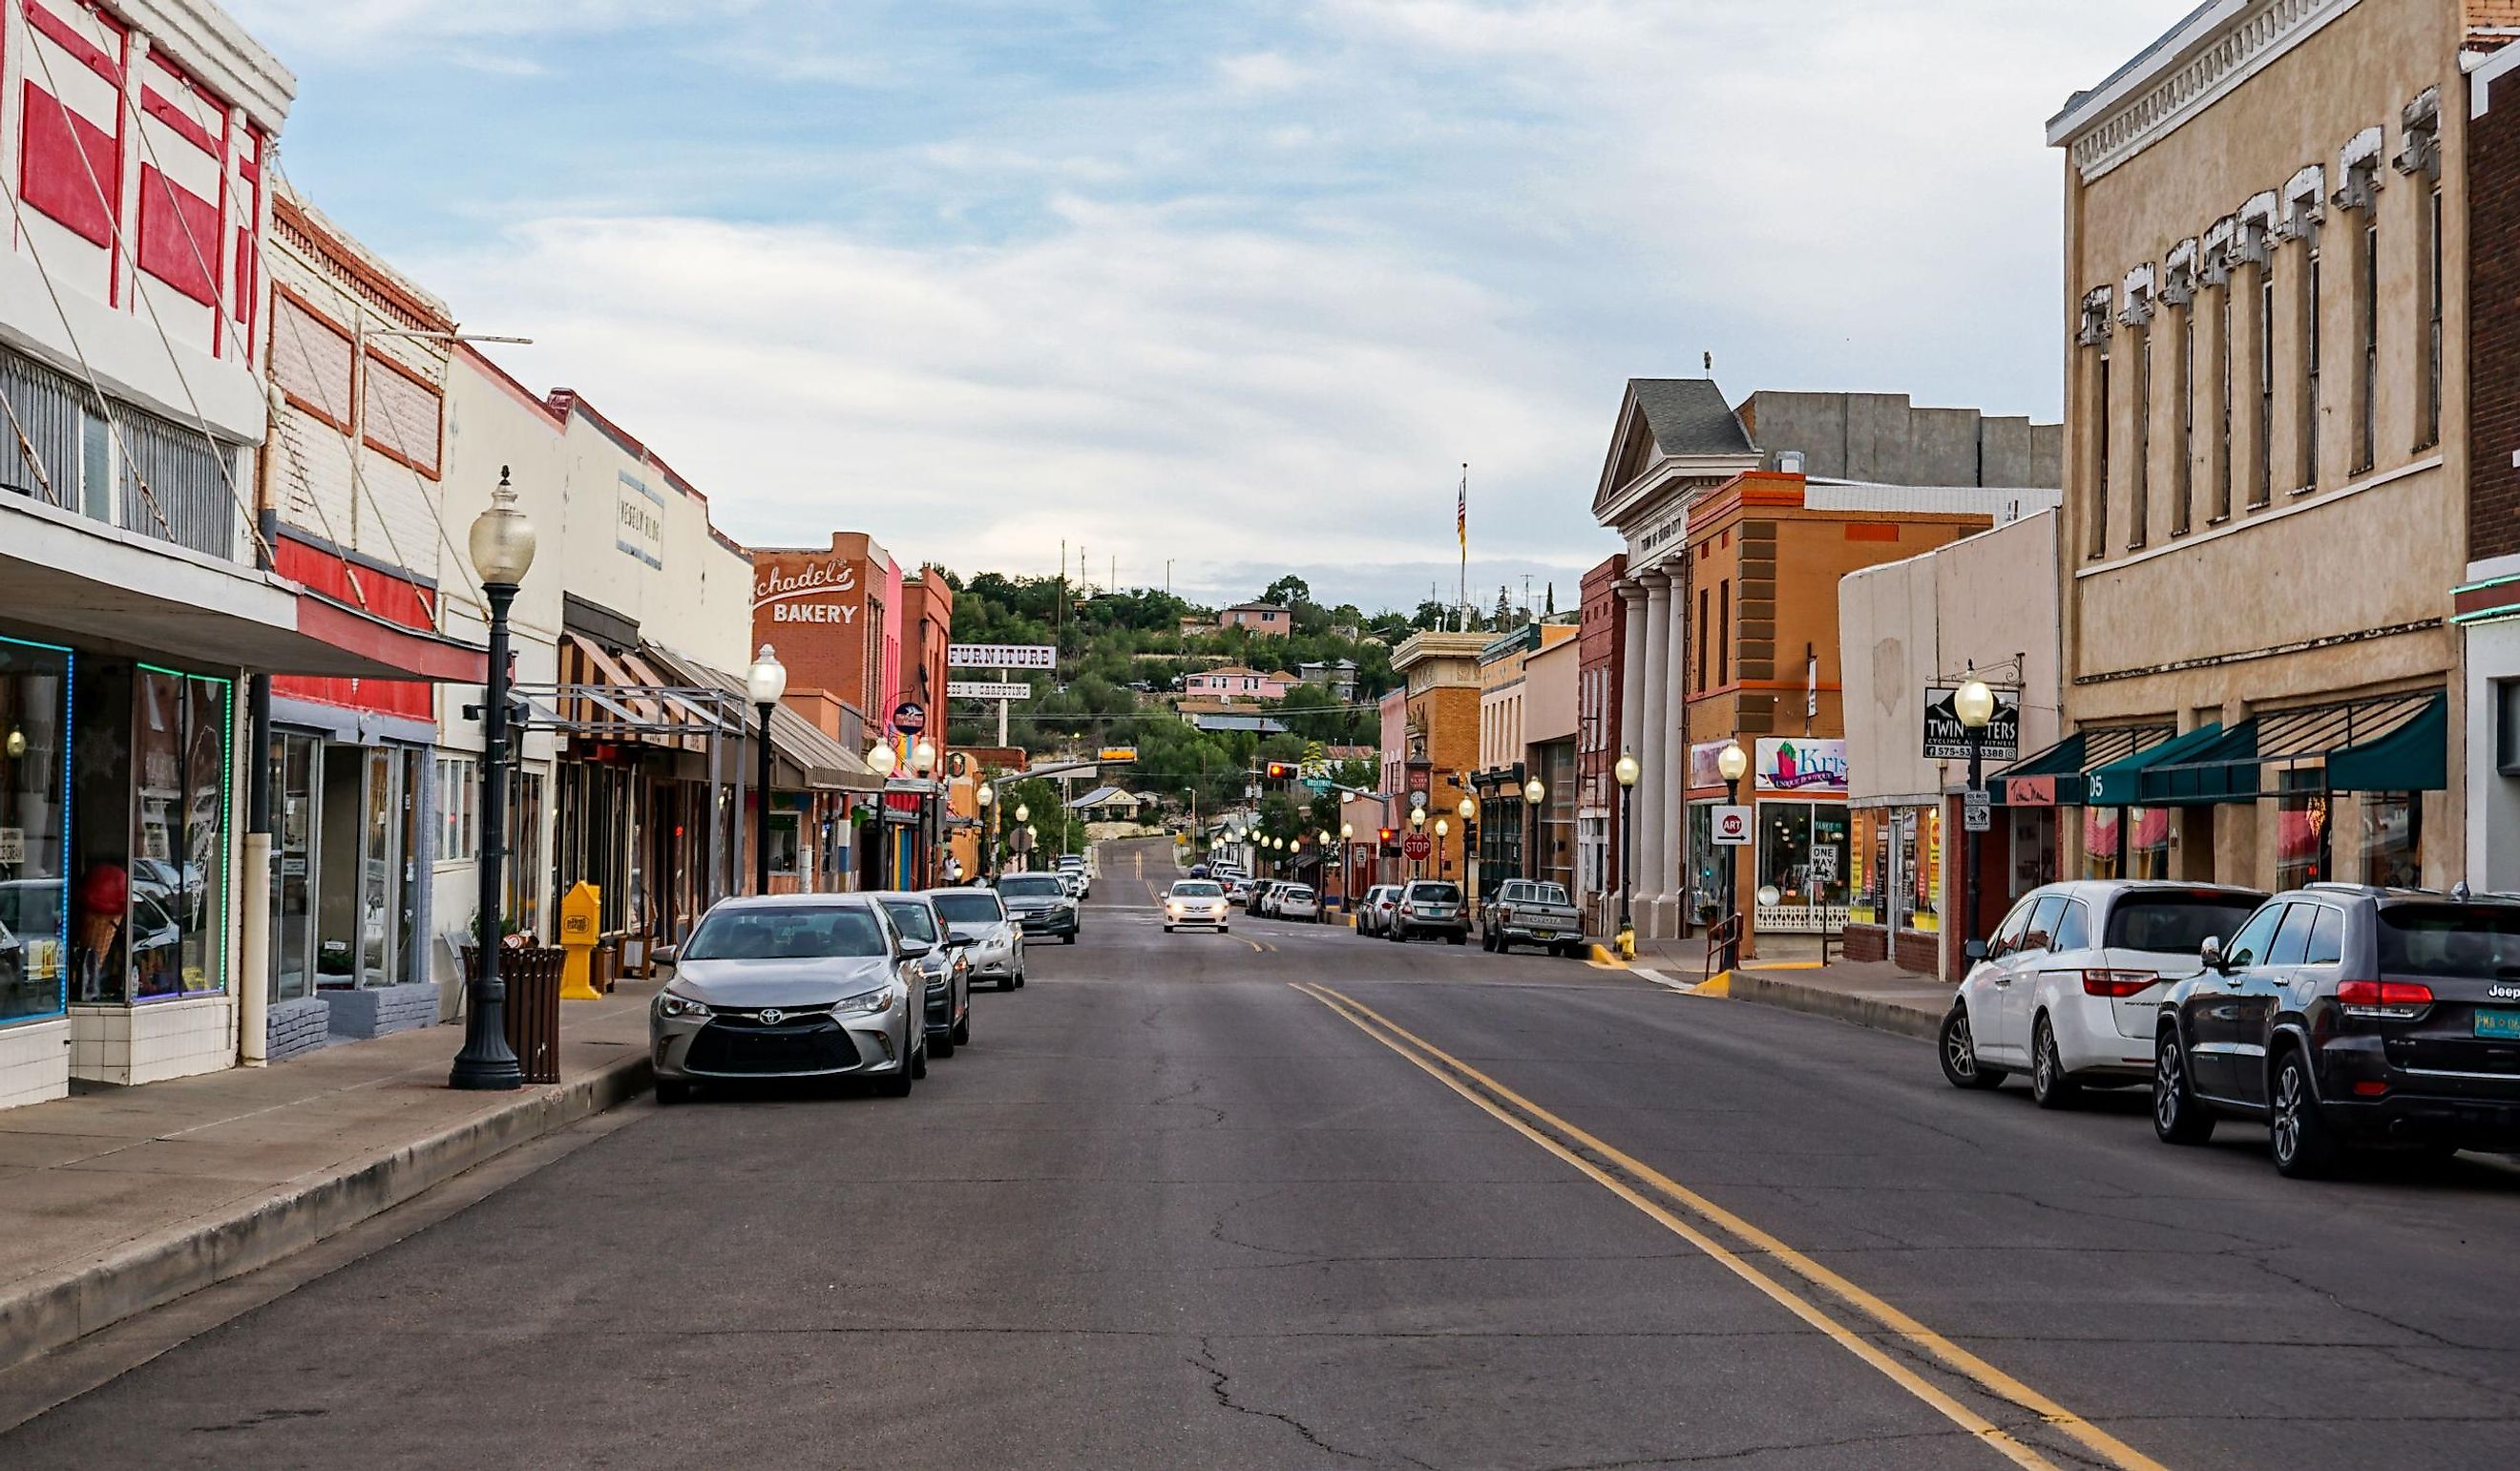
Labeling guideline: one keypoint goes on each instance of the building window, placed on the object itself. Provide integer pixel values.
(2223, 441)
(35, 831)
(2099, 543)
(2393, 839)
(459, 796)
(2126, 843)
(2139, 501)
(160, 932)
(2263, 431)
(1723, 633)
(2433, 292)
(2301, 836)
(2184, 473)
(2366, 388)
(2307, 411)
(1705, 635)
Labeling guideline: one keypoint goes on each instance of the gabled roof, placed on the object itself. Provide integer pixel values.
(1678, 418)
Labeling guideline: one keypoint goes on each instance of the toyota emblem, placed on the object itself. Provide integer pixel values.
(773, 1017)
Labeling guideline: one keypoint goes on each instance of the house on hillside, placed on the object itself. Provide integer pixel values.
(1337, 676)
(1107, 804)
(1268, 619)
(1233, 682)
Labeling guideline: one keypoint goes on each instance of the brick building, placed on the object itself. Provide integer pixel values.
(1602, 631)
(2486, 603)
(1439, 675)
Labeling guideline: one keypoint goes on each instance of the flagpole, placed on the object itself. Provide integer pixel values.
(1461, 524)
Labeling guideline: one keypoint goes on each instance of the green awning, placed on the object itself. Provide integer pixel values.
(2116, 785)
(2397, 742)
(2067, 764)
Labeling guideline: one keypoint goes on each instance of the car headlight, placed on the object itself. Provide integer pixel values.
(872, 1003)
(668, 1004)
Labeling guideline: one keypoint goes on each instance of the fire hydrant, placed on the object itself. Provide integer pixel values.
(581, 919)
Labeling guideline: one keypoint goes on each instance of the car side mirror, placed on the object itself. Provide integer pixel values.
(2211, 952)
(914, 950)
(1975, 951)
(962, 939)
(663, 954)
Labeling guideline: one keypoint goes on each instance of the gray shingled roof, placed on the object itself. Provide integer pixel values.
(1689, 417)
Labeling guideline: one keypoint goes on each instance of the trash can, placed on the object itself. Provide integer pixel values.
(532, 975)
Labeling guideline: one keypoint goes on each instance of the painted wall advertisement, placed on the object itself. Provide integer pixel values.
(639, 522)
(1807, 765)
(819, 593)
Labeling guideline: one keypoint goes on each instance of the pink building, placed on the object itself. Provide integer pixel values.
(1265, 618)
(1233, 682)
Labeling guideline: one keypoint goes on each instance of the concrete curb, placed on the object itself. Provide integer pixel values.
(1771, 990)
(46, 1312)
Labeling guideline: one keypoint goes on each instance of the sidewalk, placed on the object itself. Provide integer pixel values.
(1869, 992)
(120, 1200)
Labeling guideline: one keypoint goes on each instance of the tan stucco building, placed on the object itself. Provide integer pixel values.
(2265, 457)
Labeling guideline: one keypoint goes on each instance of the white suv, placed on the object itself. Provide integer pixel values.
(2069, 989)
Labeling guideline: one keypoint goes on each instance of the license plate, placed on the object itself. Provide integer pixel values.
(2498, 1024)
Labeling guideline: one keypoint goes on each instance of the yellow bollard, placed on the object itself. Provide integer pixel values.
(581, 920)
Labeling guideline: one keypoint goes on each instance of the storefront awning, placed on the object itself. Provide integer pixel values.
(2118, 783)
(819, 762)
(2059, 776)
(120, 594)
(2398, 742)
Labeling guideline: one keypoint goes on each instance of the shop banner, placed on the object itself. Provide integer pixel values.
(1947, 739)
(1001, 656)
(1704, 765)
(1809, 766)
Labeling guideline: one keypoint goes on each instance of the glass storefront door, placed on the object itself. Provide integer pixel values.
(1802, 868)
(295, 760)
(365, 899)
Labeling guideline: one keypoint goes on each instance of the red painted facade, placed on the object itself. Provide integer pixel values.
(381, 594)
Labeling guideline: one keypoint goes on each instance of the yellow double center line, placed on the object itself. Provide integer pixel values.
(1640, 1183)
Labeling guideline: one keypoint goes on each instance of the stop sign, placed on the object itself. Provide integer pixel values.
(1417, 846)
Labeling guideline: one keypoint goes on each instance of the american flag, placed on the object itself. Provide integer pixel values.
(1461, 510)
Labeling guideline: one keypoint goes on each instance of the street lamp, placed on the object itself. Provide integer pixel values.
(1347, 864)
(1443, 834)
(1733, 764)
(1974, 703)
(502, 551)
(766, 683)
(923, 762)
(1627, 771)
(987, 796)
(1534, 792)
(922, 757)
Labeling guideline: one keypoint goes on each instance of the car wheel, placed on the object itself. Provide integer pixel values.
(1958, 1052)
(2049, 1087)
(1021, 978)
(962, 1030)
(942, 1046)
(1168, 929)
(2305, 1145)
(897, 1086)
(1459, 937)
(1068, 939)
(918, 1060)
(2179, 1116)
(672, 1091)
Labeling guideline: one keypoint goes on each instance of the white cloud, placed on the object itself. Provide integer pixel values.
(1256, 72)
(1134, 381)
(328, 27)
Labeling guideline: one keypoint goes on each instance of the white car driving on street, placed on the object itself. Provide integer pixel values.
(1298, 902)
(2069, 989)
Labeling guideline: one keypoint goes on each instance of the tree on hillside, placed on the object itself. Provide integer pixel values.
(1289, 590)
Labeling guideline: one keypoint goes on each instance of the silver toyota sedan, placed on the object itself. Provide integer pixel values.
(791, 986)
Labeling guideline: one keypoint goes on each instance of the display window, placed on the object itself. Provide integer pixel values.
(2393, 839)
(35, 831)
(1802, 866)
(1920, 870)
(2126, 843)
(150, 800)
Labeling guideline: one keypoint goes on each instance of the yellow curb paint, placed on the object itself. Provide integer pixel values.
(1994, 1437)
(1987, 1376)
(1787, 965)
(1603, 956)
(1718, 984)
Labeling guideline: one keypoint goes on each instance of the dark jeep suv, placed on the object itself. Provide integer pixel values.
(2343, 1015)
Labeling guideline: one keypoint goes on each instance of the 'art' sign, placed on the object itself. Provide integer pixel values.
(814, 593)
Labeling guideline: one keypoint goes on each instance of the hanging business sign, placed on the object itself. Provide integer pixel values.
(822, 592)
(910, 717)
(1002, 656)
(1116, 753)
(1805, 765)
(1947, 739)
(986, 690)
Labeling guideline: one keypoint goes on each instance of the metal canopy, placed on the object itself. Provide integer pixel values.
(636, 709)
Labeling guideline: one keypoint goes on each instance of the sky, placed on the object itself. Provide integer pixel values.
(1216, 288)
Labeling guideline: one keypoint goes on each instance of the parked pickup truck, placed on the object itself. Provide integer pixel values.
(1527, 911)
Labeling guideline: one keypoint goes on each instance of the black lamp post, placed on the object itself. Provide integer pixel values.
(767, 683)
(1534, 792)
(1733, 764)
(503, 550)
(987, 796)
(1627, 771)
(1471, 879)
(1974, 703)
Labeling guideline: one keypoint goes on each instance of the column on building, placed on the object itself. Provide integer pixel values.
(1653, 790)
(1675, 764)
(1627, 858)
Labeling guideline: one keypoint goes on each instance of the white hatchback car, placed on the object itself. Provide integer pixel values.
(2069, 989)
(1298, 902)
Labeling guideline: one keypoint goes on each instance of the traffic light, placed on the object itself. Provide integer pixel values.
(1283, 770)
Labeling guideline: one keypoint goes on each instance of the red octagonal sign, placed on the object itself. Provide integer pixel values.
(1418, 845)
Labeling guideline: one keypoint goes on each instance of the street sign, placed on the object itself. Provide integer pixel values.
(1977, 812)
(1116, 753)
(1320, 786)
(986, 690)
(1002, 656)
(1947, 739)
(1732, 826)
(1418, 800)
(1417, 846)
(1824, 865)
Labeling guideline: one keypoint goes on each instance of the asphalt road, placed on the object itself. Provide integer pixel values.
(1285, 1198)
